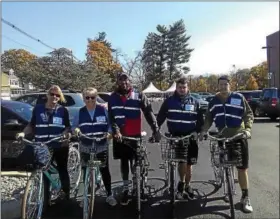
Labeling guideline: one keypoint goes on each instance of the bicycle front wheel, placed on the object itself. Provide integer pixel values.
(230, 181)
(138, 189)
(172, 183)
(35, 197)
(89, 194)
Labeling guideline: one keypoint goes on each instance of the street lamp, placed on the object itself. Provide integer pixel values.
(269, 63)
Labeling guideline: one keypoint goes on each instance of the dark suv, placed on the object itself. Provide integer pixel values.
(270, 102)
(253, 97)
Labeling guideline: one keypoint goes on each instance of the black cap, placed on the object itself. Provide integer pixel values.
(224, 77)
(123, 75)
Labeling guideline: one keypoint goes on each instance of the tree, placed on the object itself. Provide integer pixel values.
(17, 59)
(101, 57)
(178, 52)
(252, 83)
(102, 38)
(260, 73)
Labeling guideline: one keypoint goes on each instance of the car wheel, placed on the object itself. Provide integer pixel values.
(257, 112)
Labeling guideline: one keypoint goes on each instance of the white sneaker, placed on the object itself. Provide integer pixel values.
(247, 207)
(111, 200)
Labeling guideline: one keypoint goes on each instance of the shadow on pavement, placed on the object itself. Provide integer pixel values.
(157, 205)
(265, 120)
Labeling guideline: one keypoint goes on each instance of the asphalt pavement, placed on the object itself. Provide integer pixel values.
(263, 176)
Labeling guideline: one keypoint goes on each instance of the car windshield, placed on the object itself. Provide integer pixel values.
(23, 110)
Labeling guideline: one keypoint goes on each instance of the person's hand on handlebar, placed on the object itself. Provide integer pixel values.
(247, 133)
(109, 136)
(202, 136)
(118, 136)
(77, 131)
(20, 135)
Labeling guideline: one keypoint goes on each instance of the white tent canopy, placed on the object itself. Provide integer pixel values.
(151, 89)
(172, 88)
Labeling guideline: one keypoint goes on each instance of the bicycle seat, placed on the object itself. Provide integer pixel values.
(143, 134)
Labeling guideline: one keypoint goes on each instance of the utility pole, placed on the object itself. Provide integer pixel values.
(236, 76)
(268, 48)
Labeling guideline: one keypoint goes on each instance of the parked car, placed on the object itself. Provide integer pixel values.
(14, 118)
(270, 102)
(209, 98)
(204, 95)
(253, 97)
(74, 100)
(202, 103)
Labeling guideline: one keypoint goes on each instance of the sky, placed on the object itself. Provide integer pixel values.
(223, 34)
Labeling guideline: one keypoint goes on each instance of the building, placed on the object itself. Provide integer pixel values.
(5, 86)
(272, 47)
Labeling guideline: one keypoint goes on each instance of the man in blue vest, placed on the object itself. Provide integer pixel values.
(48, 121)
(232, 114)
(183, 117)
(124, 109)
(92, 120)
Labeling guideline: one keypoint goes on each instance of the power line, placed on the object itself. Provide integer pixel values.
(28, 35)
(21, 43)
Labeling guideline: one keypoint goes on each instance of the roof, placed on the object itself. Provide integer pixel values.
(151, 89)
(172, 88)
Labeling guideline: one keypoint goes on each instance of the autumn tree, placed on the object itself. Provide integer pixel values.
(260, 73)
(252, 83)
(17, 59)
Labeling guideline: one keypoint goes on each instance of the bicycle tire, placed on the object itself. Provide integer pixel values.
(172, 183)
(89, 186)
(229, 191)
(77, 183)
(138, 190)
(26, 193)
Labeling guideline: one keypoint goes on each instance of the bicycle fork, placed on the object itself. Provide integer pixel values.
(231, 180)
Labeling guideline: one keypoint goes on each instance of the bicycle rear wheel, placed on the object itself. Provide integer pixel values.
(35, 194)
(89, 194)
(229, 181)
(172, 183)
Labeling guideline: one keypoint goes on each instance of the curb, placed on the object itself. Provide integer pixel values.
(11, 209)
(15, 173)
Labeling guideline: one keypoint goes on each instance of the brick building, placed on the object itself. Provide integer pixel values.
(272, 48)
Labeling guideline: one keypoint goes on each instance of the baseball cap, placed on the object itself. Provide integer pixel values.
(123, 75)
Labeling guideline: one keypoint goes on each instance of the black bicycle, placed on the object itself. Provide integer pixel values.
(225, 154)
(140, 168)
(171, 158)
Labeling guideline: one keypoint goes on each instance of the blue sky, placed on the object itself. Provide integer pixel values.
(211, 25)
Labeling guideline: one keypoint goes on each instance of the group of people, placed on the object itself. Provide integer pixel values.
(229, 110)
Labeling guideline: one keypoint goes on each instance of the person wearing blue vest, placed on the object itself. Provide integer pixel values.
(92, 120)
(232, 114)
(183, 117)
(48, 121)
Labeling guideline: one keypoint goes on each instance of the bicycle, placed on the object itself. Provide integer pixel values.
(140, 168)
(223, 159)
(92, 179)
(39, 179)
(171, 159)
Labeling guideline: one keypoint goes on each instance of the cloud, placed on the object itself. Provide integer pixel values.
(240, 46)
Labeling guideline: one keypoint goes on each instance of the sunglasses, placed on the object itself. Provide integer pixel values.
(52, 94)
(93, 97)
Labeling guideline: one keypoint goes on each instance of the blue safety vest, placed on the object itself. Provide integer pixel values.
(96, 127)
(130, 110)
(228, 114)
(181, 118)
(49, 127)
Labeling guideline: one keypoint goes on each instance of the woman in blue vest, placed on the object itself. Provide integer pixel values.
(183, 117)
(93, 120)
(48, 121)
(232, 114)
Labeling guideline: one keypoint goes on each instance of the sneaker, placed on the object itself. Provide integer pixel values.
(246, 206)
(180, 190)
(189, 192)
(125, 199)
(111, 200)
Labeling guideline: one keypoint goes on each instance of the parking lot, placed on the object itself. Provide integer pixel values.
(263, 176)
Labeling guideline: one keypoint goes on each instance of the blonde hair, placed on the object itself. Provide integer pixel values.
(89, 90)
(57, 88)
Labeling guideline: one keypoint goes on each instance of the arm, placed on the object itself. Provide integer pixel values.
(162, 114)
(200, 119)
(208, 120)
(248, 116)
(148, 112)
(114, 126)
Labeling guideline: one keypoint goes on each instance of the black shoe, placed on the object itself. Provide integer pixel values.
(189, 192)
(180, 190)
(125, 199)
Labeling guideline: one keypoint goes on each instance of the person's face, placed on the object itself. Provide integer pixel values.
(90, 99)
(224, 86)
(53, 96)
(182, 89)
(124, 83)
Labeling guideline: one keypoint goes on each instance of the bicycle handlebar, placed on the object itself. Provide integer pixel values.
(143, 134)
(34, 142)
(226, 139)
(194, 134)
(91, 138)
